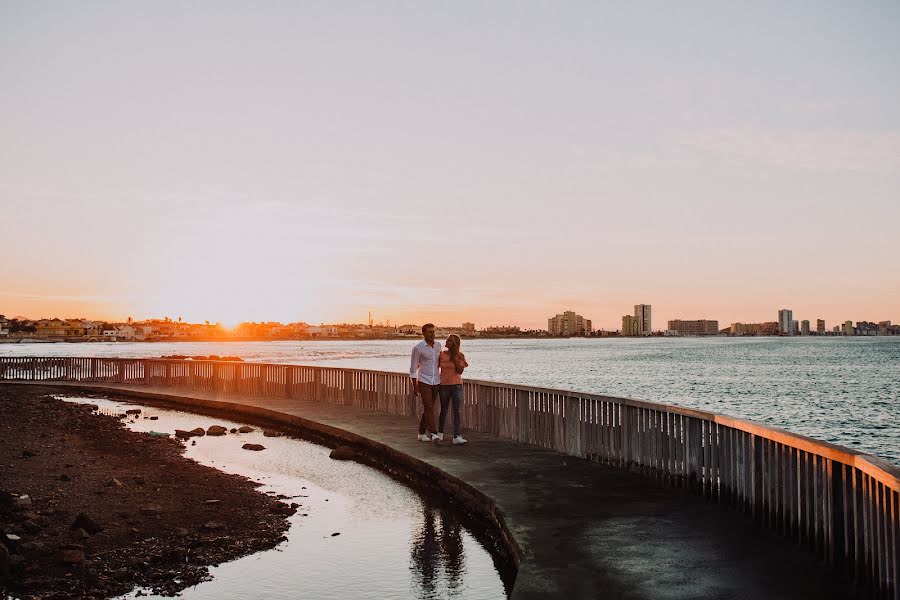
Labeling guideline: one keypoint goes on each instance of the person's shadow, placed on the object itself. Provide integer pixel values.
(437, 558)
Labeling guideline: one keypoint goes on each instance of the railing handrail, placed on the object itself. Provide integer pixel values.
(869, 463)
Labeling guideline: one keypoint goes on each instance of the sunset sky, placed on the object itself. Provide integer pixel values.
(488, 161)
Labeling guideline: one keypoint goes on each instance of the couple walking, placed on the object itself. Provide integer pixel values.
(438, 374)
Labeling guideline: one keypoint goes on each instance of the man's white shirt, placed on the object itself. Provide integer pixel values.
(425, 363)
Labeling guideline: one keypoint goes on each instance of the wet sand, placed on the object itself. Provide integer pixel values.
(91, 509)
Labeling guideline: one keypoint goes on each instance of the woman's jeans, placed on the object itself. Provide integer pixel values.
(447, 392)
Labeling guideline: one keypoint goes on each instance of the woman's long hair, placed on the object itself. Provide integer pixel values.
(453, 344)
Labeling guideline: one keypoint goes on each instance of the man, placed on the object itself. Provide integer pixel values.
(425, 376)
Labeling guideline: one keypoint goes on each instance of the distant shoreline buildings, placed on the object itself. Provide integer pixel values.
(565, 324)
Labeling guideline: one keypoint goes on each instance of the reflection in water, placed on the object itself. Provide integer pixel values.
(437, 554)
(393, 543)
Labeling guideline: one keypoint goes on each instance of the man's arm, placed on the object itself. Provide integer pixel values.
(414, 365)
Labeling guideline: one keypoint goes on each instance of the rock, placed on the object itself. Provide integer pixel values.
(212, 526)
(199, 432)
(269, 433)
(337, 533)
(133, 411)
(232, 430)
(84, 521)
(154, 418)
(70, 556)
(32, 550)
(181, 434)
(28, 453)
(114, 483)
(343, 453)
(245, 429)
(151, 509)
(78, 534)
(254, 447)
(212, 502)
(281, 508)
(194, 443)
(216, 430)
(31, 527)
(23, 502)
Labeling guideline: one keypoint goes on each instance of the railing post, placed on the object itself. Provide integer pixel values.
(348, 387)
(573, 426)
(317, 384)
(756, 471)
(523, 412)
(94, 369)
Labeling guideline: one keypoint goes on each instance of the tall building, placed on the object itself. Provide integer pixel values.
(642, 314)
(468, 328)
(804, 327)
(699, 327)
(568, 323)
(795, 327)
(785, 321)
(630, 326)
(820, 326)
(847, 329)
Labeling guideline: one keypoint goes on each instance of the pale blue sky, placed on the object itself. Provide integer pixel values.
(313, 161)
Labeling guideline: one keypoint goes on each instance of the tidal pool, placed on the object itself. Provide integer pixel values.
(393, 542)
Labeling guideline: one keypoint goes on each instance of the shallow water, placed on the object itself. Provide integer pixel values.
(393, 543)
(841, 390)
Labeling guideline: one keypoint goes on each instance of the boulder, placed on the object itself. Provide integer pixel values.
(245, 429)
(32, 550)
(216, 430)
(181, 434)
(133, 411)
(84, 521)
(253, 447)
(70, 556)
(270, 433)
(343, 453)
(23, 502)
(199, 431)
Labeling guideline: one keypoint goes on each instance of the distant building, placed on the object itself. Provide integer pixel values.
(642, 314)
(847, 329)
(804, 327)
(795, 327)
(630, 326)
(698, 327)
(884, 328)
(767, 328)
(469, 328)
(820, 326)
(568, 323)
(785, 321)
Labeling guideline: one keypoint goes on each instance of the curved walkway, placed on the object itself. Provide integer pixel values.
(584, 530)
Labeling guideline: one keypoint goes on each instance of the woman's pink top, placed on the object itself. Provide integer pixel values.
(449, 376)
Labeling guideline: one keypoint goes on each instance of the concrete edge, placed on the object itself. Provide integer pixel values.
(415, 472)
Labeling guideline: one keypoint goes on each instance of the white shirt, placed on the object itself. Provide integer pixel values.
(425, 363)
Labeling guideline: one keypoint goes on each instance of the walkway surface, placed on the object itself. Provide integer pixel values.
(586, 530)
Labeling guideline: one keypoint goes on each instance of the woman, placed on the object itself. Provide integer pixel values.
(452, 363)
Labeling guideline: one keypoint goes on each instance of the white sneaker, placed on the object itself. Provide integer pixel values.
(438, 436)
(423, 437)
(459, 440)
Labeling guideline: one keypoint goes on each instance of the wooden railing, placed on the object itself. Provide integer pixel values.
(841, 504)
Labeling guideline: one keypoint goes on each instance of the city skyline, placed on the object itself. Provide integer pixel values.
(255, 168)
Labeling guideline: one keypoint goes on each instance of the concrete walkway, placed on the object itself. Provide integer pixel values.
(585, 530)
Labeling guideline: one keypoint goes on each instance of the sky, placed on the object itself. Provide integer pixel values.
(495, 162)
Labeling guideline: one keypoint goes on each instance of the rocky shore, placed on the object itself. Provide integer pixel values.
(89, 509)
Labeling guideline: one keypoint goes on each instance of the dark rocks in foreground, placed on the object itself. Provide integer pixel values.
(216, 430)
(100, 510)
(254, 447)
